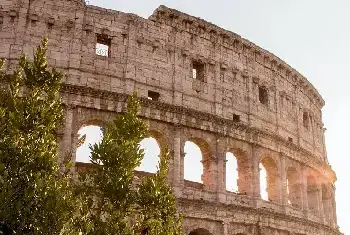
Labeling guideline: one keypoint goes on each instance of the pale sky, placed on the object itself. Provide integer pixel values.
(310, 35)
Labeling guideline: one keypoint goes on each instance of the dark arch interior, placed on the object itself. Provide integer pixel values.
(200, 231)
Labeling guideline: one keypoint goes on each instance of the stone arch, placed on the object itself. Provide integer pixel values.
(205, 162)
(200, 231)
(231, 172)
(204, 146)
(243, 170)
(272, 178)
(161, 138)
(88, 116)
(294, 193)
(154, 145)
(196, 153)
(89, 132)
(202, 226)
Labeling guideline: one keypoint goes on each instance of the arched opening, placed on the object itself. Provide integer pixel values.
(326, 202)
(263, 183)
(293, 188)
(269, 177)
(88, 136)
(193, 166)
(312, 193)
(200, 231)
(231, 173)
(151, 149)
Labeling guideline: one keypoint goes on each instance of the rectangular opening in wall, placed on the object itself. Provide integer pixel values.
(222, 75)
(198, 71)
(306, 120)
(290, 139)
(236, 118)
(152, 95)
(263, 95)
(103, 45)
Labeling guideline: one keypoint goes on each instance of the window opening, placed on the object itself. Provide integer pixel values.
(263, 95)
(222, 75)
(152, 95)
(231, 173)
(236, 118)
(198, 71)
(103, 45)
(263, 183)
(268, 179)
(306, 120)
(88, 135)
(288, 192)
(193, 167)
(150, 160)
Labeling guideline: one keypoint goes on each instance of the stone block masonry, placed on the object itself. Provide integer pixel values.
(197, 82)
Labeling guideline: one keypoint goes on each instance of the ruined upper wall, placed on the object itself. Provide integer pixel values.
(158, 55)
(234, 41)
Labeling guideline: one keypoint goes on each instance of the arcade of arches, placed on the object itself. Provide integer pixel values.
(236, 170)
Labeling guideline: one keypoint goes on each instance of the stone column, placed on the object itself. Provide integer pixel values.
(221, 169)
(66, 141)
(334, 207)
(210, 173)
(221, 177)
(283, 179)
(319, 201)
(225, 225)
(255, 173)
(178, 161)
(304, 197)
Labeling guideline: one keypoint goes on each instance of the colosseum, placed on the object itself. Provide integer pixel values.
(198, 83)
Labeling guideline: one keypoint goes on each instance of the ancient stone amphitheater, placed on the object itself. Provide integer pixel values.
(198, 83)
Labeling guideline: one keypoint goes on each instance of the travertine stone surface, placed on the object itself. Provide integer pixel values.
(244, 100)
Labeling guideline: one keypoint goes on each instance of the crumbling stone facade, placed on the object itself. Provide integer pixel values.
(201, 83)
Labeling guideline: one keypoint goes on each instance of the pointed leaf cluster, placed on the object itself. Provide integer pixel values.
(35, 198)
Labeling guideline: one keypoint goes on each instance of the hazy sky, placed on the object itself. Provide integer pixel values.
(313, 36)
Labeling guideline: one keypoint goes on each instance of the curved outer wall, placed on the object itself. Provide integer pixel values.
(247, 101)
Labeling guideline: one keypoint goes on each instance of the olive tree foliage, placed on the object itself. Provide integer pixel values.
(111, 202)
(35, 198)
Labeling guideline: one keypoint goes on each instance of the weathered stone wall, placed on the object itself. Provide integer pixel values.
(247, 101)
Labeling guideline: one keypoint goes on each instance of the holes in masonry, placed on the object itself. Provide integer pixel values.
(263, 95)
(306, 120)
(198, 71)
(152, 95)
(103, 45)
(236, 118)
(290, 139)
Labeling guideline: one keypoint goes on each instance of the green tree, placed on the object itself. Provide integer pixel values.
(35, 198)
(156, 204)
(113, 204)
